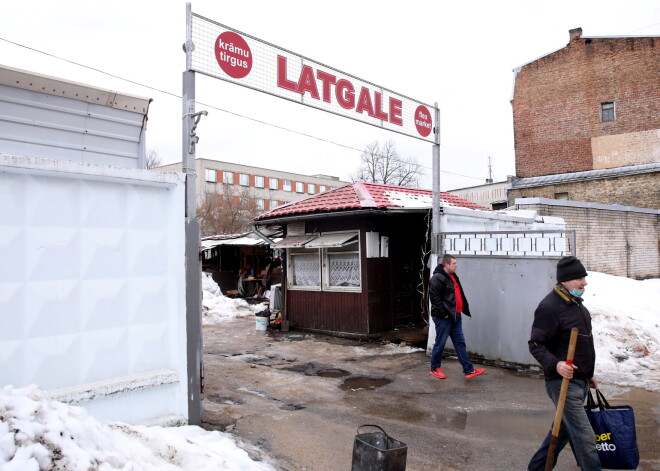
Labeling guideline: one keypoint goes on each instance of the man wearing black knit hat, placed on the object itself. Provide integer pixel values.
(559, 312)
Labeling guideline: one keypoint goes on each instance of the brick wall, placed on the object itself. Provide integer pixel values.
(642, 191)
(557, 98)
(619, 241)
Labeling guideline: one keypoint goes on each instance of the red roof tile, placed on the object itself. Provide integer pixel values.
(363, 195)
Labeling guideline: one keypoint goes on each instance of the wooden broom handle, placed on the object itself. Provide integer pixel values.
(560, 403)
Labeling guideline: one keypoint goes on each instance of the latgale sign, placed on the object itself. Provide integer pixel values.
(228, 54)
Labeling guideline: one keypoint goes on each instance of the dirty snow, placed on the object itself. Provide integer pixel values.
(626, 324)
(216, 307)
(387, 349)
(38, 433)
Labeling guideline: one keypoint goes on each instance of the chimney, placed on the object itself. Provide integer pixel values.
(575, 34)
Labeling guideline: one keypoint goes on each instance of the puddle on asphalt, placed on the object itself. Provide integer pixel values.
(292, 407)
(222, 400)
(313, 369)
(333, 373)
(359, 382)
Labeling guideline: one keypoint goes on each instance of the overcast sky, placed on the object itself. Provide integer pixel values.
(458, 54)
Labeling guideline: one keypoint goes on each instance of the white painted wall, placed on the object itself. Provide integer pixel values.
(92, 286)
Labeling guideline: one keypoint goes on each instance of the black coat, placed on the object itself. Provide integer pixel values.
(554, 318)
(443, 296)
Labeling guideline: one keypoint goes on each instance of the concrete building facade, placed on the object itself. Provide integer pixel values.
(265, 188)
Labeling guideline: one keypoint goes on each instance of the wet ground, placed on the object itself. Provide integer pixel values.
(300, 398)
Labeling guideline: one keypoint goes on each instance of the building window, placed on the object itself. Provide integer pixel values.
(286, 185)
(260, 204)
(330, 262)
(561, 196)
(211, 175)
(273, 204)
(243, 202)
(305, 268)
(228, 178)
(259, 182)
(322, 188)
(274, 184)
(244, 179)
(300, 187)
(342, 265)
(311, 188)
(607, 111)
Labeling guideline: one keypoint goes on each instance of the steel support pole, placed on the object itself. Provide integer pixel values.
(192, 243)
(436, 228)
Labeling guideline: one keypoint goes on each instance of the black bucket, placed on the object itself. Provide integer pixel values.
(377, 451)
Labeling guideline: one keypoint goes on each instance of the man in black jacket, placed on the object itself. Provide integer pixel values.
(448, 302)
(555, 316)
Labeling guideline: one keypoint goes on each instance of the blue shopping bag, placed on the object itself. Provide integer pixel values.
(614, 426)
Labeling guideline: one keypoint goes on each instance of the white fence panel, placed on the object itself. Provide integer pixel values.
(92, 286)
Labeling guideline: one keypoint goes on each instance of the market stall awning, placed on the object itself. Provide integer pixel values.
(294, 241)
(333, 240)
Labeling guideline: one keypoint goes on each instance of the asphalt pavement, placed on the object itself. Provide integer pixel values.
(297, 400)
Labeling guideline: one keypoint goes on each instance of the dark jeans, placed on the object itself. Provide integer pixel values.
(453, 329)
(575, 427)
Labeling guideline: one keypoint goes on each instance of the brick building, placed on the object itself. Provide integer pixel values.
(619, 240)
(264, 189)
(587, 122)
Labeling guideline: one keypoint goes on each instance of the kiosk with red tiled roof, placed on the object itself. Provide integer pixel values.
(354, 257)
(363, 195)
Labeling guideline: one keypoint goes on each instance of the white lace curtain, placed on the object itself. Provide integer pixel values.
(344, 269)
(306, 270)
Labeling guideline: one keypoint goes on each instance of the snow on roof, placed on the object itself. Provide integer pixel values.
(362, 195)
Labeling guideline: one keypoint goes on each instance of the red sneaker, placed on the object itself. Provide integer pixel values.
(474, 373)
(438, 373)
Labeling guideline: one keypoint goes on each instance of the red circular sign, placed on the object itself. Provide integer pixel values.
(423, 120)
(233, 54)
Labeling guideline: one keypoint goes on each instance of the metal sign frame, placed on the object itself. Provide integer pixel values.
(227, 54)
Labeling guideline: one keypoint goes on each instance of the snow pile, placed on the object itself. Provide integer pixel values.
(216, 307)
(38, 433)
(626, 322)
(386, 349)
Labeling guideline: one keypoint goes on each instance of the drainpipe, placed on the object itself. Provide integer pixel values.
(262, 236)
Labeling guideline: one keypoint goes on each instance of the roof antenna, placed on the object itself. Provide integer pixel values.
(490, 171)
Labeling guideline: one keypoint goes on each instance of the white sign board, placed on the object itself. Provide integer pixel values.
(227, 54)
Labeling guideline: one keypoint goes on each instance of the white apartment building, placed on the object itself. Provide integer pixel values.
(266, 188)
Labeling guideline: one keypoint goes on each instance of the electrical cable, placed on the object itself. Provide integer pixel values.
(212, 106)
(425, 253)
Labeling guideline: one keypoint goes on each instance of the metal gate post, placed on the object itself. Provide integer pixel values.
(193, 269)
(436, 209)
